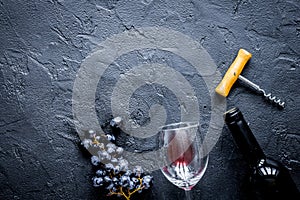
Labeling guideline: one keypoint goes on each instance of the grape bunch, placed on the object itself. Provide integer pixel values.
(112, 172)
(122, 183)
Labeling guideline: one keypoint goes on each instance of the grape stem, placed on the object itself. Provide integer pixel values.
(129, 193)
(96, 142)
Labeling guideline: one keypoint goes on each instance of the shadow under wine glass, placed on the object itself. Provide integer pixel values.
(183, 156)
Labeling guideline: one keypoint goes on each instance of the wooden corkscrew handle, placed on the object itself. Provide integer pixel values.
(233, 72)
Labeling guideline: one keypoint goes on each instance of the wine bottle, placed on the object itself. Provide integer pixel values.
(269, 178)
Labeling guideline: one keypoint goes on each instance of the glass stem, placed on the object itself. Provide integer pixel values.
(187, 195)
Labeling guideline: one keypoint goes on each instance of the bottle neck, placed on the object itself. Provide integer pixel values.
(243, 137)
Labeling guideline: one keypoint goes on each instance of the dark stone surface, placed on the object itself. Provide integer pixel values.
(44, 42)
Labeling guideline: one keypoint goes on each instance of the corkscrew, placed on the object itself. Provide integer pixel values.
(268, 96)
(233, 73)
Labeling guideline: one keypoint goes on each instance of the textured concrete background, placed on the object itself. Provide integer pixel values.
(44, 42)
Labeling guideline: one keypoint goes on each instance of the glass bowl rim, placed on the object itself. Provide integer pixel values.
(169, 127)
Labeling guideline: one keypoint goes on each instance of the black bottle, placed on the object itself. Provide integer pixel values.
(269, 178)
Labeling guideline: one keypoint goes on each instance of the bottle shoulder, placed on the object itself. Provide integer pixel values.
(271, 178)
(269, 167)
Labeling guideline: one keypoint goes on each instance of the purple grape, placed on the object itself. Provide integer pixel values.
(131, 185)
(86, 143)
(128, 173)
(123, 164)
(115, 122)
(98, 182)
(110, 137)
(138, 170)
(95, 160)
(124, 180)
(100, 172)
(119, 150)
(110, 186)
(147, 179)
(107, 179)
(115, 179)
(116, 169)
(135, 180)
(109, 166)
(114, 189)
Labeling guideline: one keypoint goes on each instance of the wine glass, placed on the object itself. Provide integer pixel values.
(183, 155)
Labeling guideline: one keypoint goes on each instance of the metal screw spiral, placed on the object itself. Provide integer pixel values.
(272, 99)
(268, 96)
